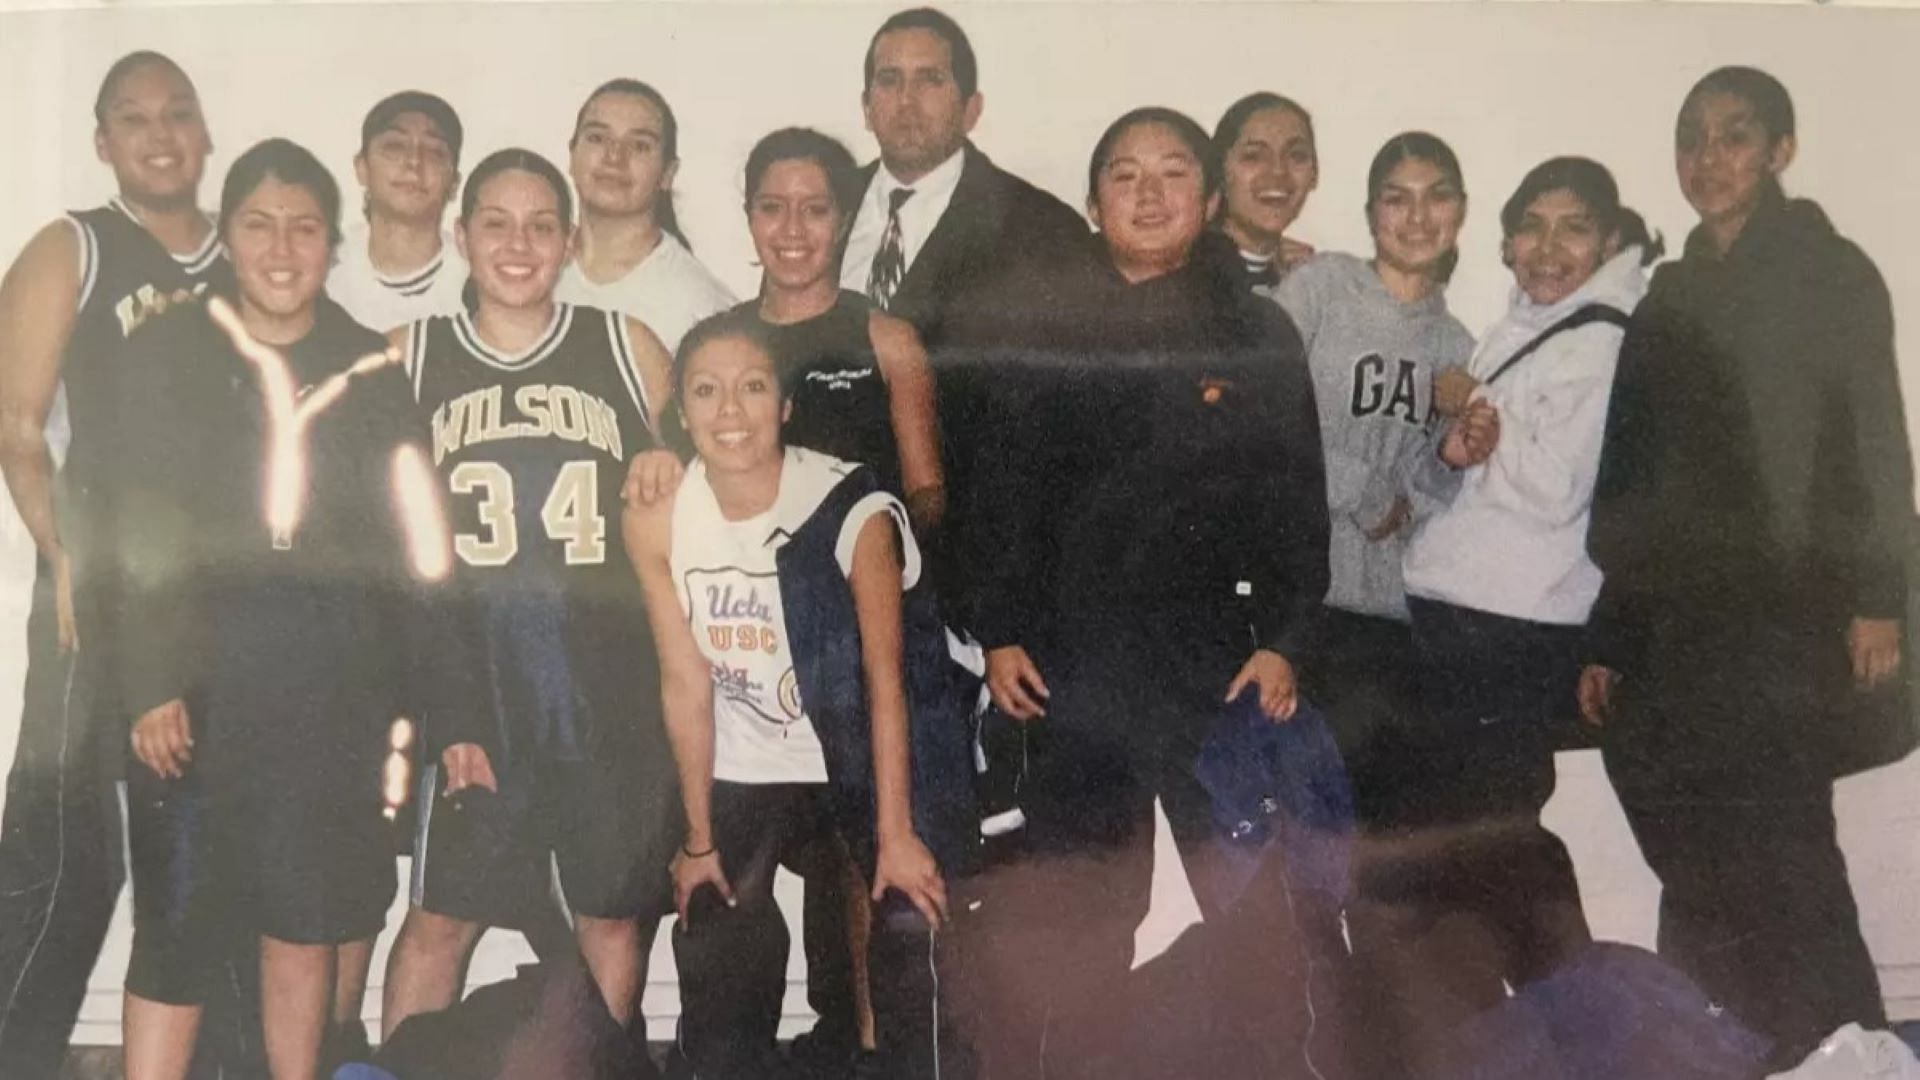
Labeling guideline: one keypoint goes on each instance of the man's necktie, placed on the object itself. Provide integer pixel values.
(890, 262)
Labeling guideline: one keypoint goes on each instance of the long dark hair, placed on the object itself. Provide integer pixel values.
(744, 324)
(127, 65)
(1417, 146)
(1184, 127)
(290, 163)
(1591, 183)
(663, 214)
(494, 164)
(806, 144)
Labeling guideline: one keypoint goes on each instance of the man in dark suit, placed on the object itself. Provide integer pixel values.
(985, 266)
(965, 227)
(981, 262)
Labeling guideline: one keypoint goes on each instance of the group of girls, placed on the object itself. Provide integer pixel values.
(1261, 474)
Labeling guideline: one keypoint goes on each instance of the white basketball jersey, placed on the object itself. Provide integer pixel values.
(725, 575)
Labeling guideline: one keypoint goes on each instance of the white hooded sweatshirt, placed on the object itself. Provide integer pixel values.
(1514, 540)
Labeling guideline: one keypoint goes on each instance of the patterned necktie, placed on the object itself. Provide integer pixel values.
(890, 262)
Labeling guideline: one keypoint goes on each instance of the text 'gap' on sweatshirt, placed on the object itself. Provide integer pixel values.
(1373, 359)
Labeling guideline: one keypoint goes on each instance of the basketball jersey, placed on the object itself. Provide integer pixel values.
(382, 302)
(126, 277)
(729, 589)
(841, 406)
(534, 447)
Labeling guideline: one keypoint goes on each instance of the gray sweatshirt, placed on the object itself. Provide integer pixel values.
(1373, 360)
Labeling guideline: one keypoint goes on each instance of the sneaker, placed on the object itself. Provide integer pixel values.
(1854, 1053)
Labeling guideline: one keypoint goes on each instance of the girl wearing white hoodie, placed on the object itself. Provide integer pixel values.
(1499, 583)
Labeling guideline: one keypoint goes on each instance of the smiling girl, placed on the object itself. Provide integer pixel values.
(1271, 164)
(809, 696)
(862, 387)
(1158, 525)
(276, 530)
(1376, 331)
(537, 408)
(1499, 581)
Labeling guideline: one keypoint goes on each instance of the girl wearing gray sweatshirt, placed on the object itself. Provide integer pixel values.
(1377, 332)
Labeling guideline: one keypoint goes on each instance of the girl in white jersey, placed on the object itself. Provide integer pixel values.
(632, 257)
(787, 722)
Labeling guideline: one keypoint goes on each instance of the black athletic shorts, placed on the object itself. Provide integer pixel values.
(609, 831)
(184, 916)
(314, 860)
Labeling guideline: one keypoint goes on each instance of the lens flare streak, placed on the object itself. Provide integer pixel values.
(290, 414)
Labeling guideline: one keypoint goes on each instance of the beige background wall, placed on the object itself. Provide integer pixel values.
(1507, 85)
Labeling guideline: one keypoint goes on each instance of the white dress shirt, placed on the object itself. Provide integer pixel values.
(931, 195)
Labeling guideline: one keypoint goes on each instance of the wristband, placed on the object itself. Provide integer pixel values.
(711, 848)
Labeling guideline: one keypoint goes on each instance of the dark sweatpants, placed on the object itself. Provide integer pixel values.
(1721, 745)
(733, 961)
(60, 864)
(1755, 905)
(826, 941)
(1047, 964)
(1496, 691)
(1459, 891)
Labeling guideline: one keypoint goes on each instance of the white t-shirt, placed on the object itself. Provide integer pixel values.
(380, 302)
(669, 291)
(725, 576)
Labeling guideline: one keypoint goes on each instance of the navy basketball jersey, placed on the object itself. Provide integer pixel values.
(534, 448)
(841, 406)
(126, 277)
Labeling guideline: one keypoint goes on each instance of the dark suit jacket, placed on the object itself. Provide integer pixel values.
(1004, 261)
(1004, 274)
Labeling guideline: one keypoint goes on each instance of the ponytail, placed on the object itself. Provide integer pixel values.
(669, 222)
(664, 214)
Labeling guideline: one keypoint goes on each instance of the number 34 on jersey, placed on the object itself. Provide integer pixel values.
(571, 511)
(533, 446)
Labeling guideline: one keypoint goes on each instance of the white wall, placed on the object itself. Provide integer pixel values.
(1506, 85)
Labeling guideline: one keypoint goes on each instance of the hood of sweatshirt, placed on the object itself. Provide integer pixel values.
(1779, 226)
(1620, 282)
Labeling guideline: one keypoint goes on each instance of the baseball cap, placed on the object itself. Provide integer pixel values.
(431, 106)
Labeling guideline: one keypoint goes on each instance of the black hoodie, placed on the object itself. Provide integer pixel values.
(1755, 485)
(1160, 487)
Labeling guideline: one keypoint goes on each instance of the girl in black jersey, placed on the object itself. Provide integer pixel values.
(66, 306)
(1270, 165)
(537, 407)
(862, 388)
(286, 516)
